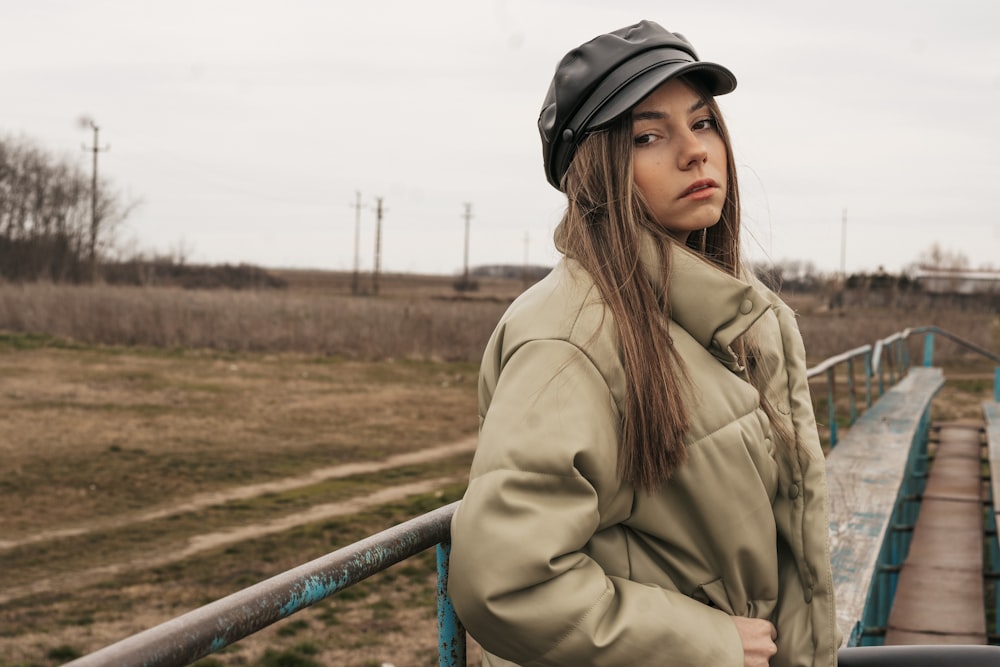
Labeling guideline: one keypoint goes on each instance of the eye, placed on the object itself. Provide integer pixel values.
(705, 124)
(644, 139)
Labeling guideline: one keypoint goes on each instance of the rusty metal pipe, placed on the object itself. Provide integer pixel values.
(186, 638)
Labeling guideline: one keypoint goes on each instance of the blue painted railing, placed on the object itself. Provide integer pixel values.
(210, 628)
(992, 556)
(191, 636)
(889, 355)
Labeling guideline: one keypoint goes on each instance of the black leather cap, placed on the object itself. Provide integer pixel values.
(597, 82)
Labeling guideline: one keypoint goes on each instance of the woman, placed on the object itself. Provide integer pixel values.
(648, 488)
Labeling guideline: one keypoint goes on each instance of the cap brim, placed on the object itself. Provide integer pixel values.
(717, 80)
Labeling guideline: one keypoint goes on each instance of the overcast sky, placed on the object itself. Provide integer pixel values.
(244, 128)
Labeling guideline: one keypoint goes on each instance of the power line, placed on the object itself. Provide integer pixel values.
(378, 244)
(356, 279)
(843, 244)
(94, 217)
(468, 217)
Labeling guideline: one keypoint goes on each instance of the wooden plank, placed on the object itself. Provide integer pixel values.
(991, 412)
(902, 638)
(956, 480)
(940, 590)
(957, 603)
(864, 475)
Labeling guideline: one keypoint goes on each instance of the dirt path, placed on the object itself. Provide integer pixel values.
(201, 501)
(200, 543)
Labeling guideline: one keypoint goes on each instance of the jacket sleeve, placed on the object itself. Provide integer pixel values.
(543, 476)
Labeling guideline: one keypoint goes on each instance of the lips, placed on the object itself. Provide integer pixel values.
(699, 186)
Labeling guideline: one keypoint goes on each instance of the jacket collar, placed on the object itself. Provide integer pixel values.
(713, 307)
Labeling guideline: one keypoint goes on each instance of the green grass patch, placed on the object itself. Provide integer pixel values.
(11, 341)
(63, 653)
(286, 658)
(292, 627)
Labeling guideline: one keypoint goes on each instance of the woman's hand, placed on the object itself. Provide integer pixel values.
(758, 638)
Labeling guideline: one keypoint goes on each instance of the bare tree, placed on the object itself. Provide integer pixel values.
(45, 214)
(943, 269)
(937, 257)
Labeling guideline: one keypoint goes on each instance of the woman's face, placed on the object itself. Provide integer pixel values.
(679, 159)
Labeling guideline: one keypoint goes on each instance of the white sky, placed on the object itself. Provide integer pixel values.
(245, 127)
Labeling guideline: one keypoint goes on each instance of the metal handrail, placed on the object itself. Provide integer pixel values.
(184, 639)
(892, 353)
(828, 367)
(958, 339)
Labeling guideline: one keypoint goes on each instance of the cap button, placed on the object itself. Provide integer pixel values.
(567, 134)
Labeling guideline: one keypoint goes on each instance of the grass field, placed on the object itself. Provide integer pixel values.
(102, 445)
(141, 480)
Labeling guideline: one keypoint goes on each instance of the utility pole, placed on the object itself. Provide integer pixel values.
(843, 244)
(94, 218)
(378, 244)
(465, 276)
(356, 279)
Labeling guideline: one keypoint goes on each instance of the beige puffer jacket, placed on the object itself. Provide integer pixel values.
(555, 561)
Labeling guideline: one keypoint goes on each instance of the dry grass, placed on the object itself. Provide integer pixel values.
(400, 326)
(829, 332)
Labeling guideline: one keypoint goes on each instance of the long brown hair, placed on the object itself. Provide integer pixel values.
(606, 216)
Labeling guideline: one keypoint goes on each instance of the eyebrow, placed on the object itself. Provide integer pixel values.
(653, 114)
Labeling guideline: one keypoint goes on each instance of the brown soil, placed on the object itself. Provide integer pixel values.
(99, 444)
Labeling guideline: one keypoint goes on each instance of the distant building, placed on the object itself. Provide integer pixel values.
(936, 280)
(531, 272)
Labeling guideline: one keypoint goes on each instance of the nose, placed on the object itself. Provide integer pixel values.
(692, 151)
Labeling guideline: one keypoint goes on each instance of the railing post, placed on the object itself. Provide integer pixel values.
(831, 404)
(893, 358)
(929, 349)
(881, 372)
(868, 379)
(993, 562)
(852, 403)
(451, 633)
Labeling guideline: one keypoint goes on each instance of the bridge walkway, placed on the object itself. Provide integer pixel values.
(939, 596)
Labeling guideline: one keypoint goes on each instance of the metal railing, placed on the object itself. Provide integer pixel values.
(210, 628)
(186, 638)
(889, 355)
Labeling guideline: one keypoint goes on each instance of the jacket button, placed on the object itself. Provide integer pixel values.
(793, 493)
(808, 595)
(746, 306)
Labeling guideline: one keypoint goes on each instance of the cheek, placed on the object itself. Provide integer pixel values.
(722, 156)
(650, 177)
(639, 168)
